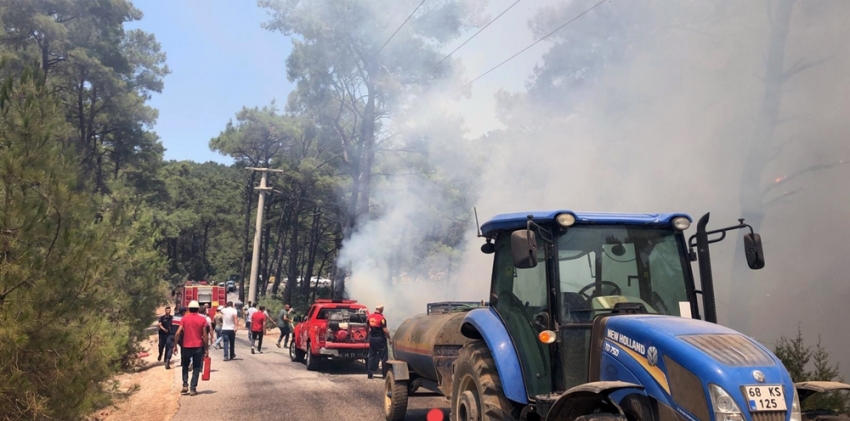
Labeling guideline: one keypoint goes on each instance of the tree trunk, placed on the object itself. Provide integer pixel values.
(367, 137)
(752, 205)
(281, 246)
(249, 194)
(276, 260)
(292, 273)
(313, 246)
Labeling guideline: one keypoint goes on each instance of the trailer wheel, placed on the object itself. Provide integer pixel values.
(476, 387)
(395, 398)
(311, 360)
(295, 354)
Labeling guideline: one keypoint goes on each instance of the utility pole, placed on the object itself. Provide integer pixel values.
(255, 261)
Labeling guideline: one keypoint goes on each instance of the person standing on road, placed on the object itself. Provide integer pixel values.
(171, 347)
(217, 321)
(164, 331)
(249, 319)
(258, 327)
(229, 326)
(284, 323)
(194, 332)
(378, 337)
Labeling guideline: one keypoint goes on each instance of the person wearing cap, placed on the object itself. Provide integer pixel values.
(171, 344)
(164, 330)
(378, 337)
(219, 318)
(193, 332)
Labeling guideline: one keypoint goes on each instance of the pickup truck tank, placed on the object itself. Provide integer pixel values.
(429, 344)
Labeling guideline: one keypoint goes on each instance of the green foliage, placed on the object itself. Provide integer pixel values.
(78, 278)
(798, 357)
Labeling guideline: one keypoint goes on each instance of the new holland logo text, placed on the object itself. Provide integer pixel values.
(628, 342)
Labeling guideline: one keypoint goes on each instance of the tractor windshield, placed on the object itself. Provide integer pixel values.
(602, 266)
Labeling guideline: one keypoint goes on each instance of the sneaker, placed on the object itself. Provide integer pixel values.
(260, 352)
(159, 358)
(168, 365)
(185, 389)
(252, 349)
(193, 392)
(278, 344)
(369, 376)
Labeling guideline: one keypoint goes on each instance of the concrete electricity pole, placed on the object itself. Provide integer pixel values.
(255, 261)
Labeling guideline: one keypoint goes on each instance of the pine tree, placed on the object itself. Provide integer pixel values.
(796, 356)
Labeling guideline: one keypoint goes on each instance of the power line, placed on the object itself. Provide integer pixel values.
(534, 43)
(474, 35)
(399, 28)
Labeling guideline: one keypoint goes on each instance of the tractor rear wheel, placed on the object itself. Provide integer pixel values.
(601, 417)
(477, 389)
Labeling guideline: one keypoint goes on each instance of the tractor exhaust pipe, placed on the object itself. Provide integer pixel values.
(706, 280)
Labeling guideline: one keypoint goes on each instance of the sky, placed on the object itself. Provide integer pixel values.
(221, 59)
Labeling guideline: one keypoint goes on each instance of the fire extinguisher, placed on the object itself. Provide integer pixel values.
(206, 375)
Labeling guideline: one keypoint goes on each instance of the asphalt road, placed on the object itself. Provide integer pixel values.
(270, 386)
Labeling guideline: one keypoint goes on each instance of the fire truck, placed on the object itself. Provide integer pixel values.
(203, 293)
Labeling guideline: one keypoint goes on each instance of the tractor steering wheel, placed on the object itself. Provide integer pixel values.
(615, 291)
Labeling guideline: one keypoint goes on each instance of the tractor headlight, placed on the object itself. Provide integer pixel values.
(796, 414)
(725, 408)
(565, 219)
(681, 223)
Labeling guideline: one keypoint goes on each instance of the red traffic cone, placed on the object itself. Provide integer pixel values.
(206, 375)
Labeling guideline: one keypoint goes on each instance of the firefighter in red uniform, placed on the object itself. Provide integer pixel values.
(378, 337)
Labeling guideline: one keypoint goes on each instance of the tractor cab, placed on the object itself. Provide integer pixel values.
(555, 272)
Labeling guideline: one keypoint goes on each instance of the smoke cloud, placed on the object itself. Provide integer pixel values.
(657, 114)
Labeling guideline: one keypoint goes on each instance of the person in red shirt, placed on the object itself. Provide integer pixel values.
(194, 331)
(258, 328)
(378, 337)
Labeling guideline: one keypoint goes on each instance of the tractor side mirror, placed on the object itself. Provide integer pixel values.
(753, 250)
(524, 248)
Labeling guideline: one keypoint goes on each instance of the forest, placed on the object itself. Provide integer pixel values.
(97, 227)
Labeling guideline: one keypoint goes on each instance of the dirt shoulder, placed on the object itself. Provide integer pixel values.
(149, 394)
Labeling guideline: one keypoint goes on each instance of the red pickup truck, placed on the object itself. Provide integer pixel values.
(331, 329)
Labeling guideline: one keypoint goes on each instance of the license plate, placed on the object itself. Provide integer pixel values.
(765, 398)
(351, 354)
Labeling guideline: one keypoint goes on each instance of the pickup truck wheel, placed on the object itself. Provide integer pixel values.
(295, 354)
(395, 398)
(312, 361)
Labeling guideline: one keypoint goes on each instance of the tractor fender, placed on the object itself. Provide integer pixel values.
(484, 323)
(586, 398)
(399, 369)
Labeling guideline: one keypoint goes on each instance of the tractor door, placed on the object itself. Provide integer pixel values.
(518, 296)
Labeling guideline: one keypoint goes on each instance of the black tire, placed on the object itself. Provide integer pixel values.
(295, 354)
(475, 372)
(311, 360)
(601, 417)
(395, 398)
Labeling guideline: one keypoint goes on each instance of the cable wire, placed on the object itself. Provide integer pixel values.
(474, 35)
(534, 43)
(399, 28)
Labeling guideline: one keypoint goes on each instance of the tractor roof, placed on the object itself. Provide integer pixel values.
(512, 221)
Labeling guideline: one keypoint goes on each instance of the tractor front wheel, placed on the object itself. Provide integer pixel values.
(477, 389)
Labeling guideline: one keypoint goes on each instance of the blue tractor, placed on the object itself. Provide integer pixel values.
(595, 317)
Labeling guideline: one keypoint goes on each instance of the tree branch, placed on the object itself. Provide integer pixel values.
(814, 168)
